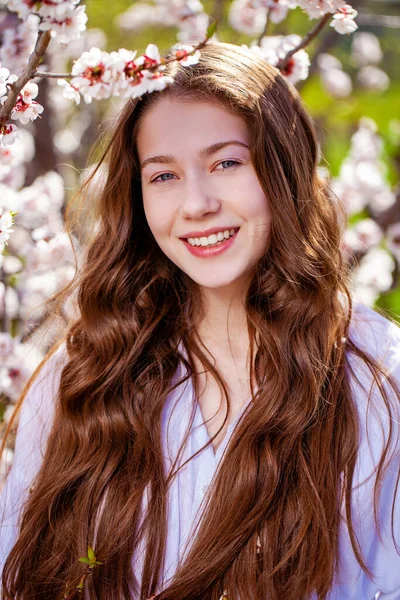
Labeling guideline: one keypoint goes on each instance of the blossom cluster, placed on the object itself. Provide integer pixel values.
(38, 260)
(18, 43)
(274, 48)
(98, 74)
(251, 16)
(362, 187)
(63, 18)
(187, 15)
(365, 53)
(26, 108)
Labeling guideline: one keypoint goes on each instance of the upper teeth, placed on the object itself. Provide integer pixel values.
(211, 239)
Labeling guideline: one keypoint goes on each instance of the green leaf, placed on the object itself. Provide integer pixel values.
(85, 560)
(91, 554)
(212, 28)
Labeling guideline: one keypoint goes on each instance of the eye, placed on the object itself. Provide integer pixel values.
(162, 177)
(228, 164)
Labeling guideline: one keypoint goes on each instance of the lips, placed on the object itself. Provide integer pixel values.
(211, 251)
(207, 232)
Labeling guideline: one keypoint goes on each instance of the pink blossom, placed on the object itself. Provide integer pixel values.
(343, 19)
(246, 18)
(63, 18)
(69, 91)
(18, 43)
(26, 109)
(274, 48)
(364, 235)
(318, 8)
(186, 56)
(8, 134)
(68, 27)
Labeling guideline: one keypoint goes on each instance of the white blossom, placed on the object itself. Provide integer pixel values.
(245, 18)
(362, 236)
(67, 28)
(69, 92)
(343, 20)
(373, 78)
(185, 50)
(365, 49)
(337, 82)
(93, 75)
(274, 48)
(4, 79)
(8, 134)
(318, 8)
(193, 27)
(6, 221)
(63, 18)
(18, 43)
(12, 159)
(373, 276)
(24, 112)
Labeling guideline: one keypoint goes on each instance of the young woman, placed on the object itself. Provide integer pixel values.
(220, 420)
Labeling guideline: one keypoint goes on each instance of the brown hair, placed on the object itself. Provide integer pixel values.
(295, 447)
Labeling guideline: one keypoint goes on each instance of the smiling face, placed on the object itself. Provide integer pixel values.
(199, 187)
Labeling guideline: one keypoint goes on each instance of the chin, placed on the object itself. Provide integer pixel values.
(216, 282)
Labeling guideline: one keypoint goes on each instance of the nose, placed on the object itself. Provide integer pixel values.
(199, 198)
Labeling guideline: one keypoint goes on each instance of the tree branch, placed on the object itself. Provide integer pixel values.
(305, 41)
(44, 74)
(264, 31)
(27, 74)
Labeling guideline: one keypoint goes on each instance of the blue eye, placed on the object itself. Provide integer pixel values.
(163, 177)
(230, 163)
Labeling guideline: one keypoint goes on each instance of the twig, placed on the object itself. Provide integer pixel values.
(218, 11)
(44, 74)
(27, 74)
(305, 41)
(264, 31)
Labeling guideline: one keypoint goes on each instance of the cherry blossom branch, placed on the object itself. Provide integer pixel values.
(304, 41)
(264, 31)
(139, 68)
(27, 74)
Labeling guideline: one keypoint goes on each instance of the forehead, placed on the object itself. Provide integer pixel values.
(176, 126)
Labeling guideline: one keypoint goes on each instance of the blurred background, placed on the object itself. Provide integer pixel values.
(352, 91)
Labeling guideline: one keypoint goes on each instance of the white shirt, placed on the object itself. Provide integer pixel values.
(374, 334)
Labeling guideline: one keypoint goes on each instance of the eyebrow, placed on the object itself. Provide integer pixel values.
(208, 151)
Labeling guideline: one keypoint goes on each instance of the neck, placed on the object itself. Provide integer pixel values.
(223, 326)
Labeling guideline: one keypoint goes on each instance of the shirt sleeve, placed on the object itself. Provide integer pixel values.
(35, 422)
(381, 339)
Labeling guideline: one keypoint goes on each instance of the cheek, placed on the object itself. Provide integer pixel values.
(157, 214)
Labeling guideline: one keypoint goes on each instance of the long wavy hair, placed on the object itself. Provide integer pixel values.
(287, 472)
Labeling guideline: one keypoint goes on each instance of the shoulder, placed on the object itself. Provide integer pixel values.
(379, 339)
(376, 399)
(378, 407)
(376, 335)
